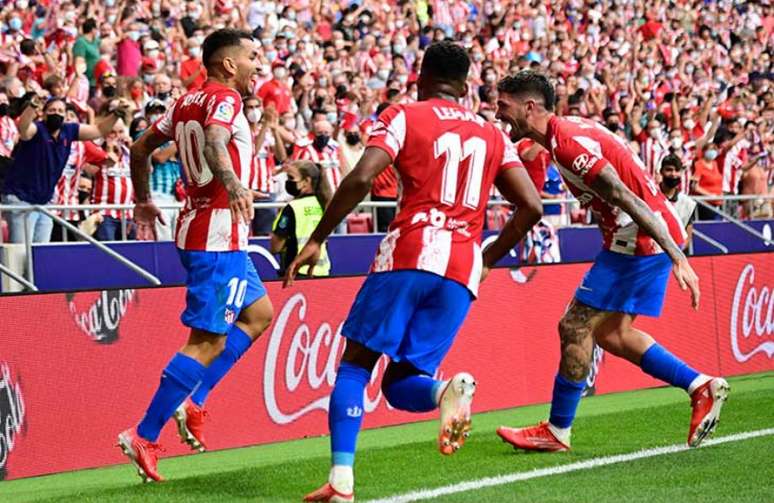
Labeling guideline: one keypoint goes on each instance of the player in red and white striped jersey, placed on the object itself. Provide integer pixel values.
(429, 265)
(226, 304)
(642, 236)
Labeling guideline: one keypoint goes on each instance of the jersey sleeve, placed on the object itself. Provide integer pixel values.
(223, 109)
(389, 131)
(581, 155)
(511, 157)
(164, 124)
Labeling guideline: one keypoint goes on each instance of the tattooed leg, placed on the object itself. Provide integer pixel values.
(575, 331)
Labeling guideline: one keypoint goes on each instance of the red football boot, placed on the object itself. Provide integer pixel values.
(706, 401)
(190, 424)
(533, 438)
(142, 453)
(328, 493)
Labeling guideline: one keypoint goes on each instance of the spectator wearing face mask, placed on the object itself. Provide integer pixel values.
(87, 47)
(276, 92)
(296, 222)
(322, 150)
(107, 89)
(41, 156)
(192, 71)
(128, 53)
(672, 171)
(162, 90)
(269, 151)
(653, 147)
(708, 180)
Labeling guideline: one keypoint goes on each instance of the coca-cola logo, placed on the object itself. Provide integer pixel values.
(752, 318)
(11, 415)
(100, 317)
(300, 367)
(301, 363)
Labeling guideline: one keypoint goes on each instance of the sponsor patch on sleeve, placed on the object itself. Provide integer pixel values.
(224, 112)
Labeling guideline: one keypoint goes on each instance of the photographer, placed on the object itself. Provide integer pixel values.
(40, 157)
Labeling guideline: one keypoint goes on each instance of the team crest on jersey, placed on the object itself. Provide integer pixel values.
(225, 110)
(230, 316)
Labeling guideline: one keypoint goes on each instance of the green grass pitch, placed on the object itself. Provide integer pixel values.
(402, 459)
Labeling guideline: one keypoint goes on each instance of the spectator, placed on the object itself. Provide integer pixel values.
(192, 71)
(322, 150)
(9, 135)
(269, 151)
(276, 93)
(39, 159)
(708, 181)
(87, 47)
(113, 185)
(309, 188)
(671, 178)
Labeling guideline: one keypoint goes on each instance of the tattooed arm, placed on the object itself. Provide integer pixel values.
(611, 189)
(240, 199)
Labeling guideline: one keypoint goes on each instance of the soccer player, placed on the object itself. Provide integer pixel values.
(429, 265)
(226, 304)
(643, 236)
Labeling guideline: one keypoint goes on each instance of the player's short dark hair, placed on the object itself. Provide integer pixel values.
(529, 83)
(446, 61)
(671, 160)
(225, 37)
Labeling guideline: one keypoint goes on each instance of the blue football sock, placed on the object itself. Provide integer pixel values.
(178, 379)
(662, 364)
(414, 393)
(237, 343)
(567, 395)
(345, 414)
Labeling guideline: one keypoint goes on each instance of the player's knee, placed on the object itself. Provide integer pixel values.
(258, 320)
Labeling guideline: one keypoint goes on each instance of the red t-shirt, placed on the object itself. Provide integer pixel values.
(276, 93)
(188, 68)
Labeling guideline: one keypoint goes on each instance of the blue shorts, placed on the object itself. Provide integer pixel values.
(626, 283)
(219, 285)
(410, 316)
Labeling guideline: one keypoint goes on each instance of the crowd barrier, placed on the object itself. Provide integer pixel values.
(77, 368)
(59, 267)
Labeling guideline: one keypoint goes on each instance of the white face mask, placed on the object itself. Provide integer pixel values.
(677, 142)
(195, 52)
(253, 115)
(689, 124)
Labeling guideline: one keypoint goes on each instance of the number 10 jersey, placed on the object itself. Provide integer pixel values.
(447, 159)
(205, 223)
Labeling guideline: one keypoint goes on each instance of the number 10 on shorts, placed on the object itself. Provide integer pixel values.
(237, 292)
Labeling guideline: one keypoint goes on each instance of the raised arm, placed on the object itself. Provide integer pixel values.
(27, 127)
(240, 199)
(610, 188)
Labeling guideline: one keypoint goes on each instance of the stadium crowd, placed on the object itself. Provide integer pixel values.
(687, 78)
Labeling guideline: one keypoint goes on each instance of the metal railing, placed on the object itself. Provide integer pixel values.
(29, 281)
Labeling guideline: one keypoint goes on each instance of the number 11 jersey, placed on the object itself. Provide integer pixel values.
(205, 222)
(447, 159)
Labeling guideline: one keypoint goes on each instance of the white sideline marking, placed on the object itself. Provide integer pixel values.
(555, 470)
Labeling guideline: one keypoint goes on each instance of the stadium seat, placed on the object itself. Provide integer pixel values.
(360, 223)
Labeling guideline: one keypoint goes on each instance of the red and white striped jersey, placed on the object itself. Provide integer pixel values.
(205, 222)
(447, 159)
(652, 153)
(731, 163)
(113, 185)
(8, 135)
(66, 190)
(262, 177)
(581, 148)
(329, 158)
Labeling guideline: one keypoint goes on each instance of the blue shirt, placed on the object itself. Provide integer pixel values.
(38, 163)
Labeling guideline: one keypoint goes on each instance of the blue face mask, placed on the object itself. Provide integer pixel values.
(137, 134)
(711, 155)
(15, 24)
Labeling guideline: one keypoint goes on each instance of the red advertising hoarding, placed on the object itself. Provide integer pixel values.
(76, 369)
